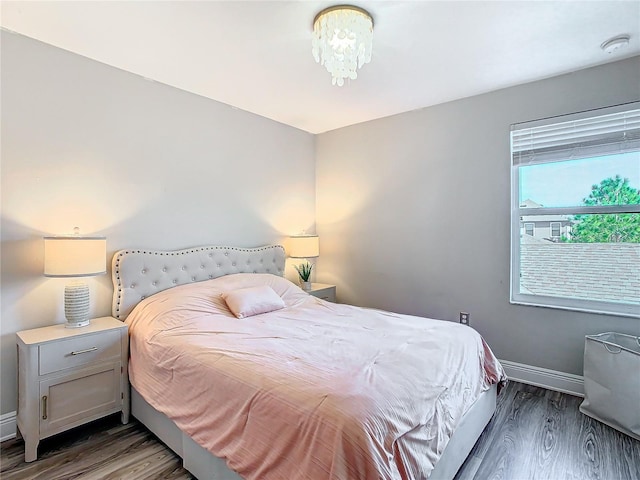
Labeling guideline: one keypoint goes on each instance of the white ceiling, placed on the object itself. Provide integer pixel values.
(256, 55)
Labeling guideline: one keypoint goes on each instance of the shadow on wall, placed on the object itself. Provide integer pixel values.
(27, 298)
(22, 252)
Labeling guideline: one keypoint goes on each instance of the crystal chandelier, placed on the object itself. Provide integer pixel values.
(342, 38)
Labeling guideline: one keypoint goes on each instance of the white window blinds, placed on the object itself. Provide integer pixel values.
(588, 134)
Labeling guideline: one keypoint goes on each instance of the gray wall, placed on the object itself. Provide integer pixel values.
(147, 165)
(413, 212)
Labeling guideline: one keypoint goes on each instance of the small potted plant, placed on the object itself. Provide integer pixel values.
(304, 271)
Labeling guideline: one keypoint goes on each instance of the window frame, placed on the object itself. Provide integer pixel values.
(551, 224)
(518, 213)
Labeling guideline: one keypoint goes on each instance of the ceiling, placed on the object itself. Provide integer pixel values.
(256, 55)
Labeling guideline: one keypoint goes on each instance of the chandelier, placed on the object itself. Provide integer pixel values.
(342, 38)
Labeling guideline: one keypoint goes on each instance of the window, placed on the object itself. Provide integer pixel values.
(577, 178)
(528, 229)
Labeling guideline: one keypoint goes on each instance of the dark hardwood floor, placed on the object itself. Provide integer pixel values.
(535, 434)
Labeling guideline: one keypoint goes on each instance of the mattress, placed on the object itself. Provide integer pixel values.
(312, 390)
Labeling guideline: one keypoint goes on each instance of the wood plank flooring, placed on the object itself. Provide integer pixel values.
(104, 449)
(539, 434)
(536, 434)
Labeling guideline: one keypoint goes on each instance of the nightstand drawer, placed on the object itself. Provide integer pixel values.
(78, 351)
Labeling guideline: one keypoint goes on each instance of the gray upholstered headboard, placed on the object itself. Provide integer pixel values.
(138, 274)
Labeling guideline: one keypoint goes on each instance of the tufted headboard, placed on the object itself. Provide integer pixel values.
(138, 274)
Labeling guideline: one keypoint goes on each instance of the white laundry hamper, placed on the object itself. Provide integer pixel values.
(612, 381)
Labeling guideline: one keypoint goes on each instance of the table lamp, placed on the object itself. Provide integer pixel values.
(75, 256)
(304, 246)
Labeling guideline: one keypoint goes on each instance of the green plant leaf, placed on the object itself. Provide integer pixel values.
(304, 271)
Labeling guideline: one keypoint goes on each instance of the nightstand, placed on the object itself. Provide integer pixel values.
(323, 291)
(70, 376)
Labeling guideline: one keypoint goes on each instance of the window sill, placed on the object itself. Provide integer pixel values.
(598, 308)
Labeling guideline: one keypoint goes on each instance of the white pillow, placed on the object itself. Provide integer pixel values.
(246, 302)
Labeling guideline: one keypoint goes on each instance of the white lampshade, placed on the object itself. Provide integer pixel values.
(304, 246)
(75, 256)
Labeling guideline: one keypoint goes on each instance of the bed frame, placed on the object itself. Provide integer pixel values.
(138, 274)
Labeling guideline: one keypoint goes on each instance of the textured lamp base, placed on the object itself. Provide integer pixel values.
(76, 304)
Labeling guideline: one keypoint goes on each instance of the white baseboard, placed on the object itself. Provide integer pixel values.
(7, 426)
(543, 377)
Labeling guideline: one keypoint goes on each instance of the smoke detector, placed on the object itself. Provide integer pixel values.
(615, 43)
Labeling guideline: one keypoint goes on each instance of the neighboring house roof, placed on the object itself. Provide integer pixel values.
(528, 203)
(597, 271)
(528, 239)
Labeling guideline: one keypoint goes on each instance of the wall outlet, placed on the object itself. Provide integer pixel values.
(464, 318)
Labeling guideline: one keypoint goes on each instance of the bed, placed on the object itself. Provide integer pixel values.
(306, 390)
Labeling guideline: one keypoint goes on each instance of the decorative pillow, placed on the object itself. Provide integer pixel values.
(246, 302)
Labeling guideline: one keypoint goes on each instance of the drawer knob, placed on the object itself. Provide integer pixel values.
(87, 350)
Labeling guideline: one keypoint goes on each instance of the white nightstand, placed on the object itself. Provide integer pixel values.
(70, 376)
(323, 291)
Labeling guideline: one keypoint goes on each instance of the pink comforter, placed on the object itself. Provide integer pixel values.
(312, 391)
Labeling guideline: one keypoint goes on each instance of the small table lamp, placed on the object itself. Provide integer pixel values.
(304, 246)
(74, 256)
